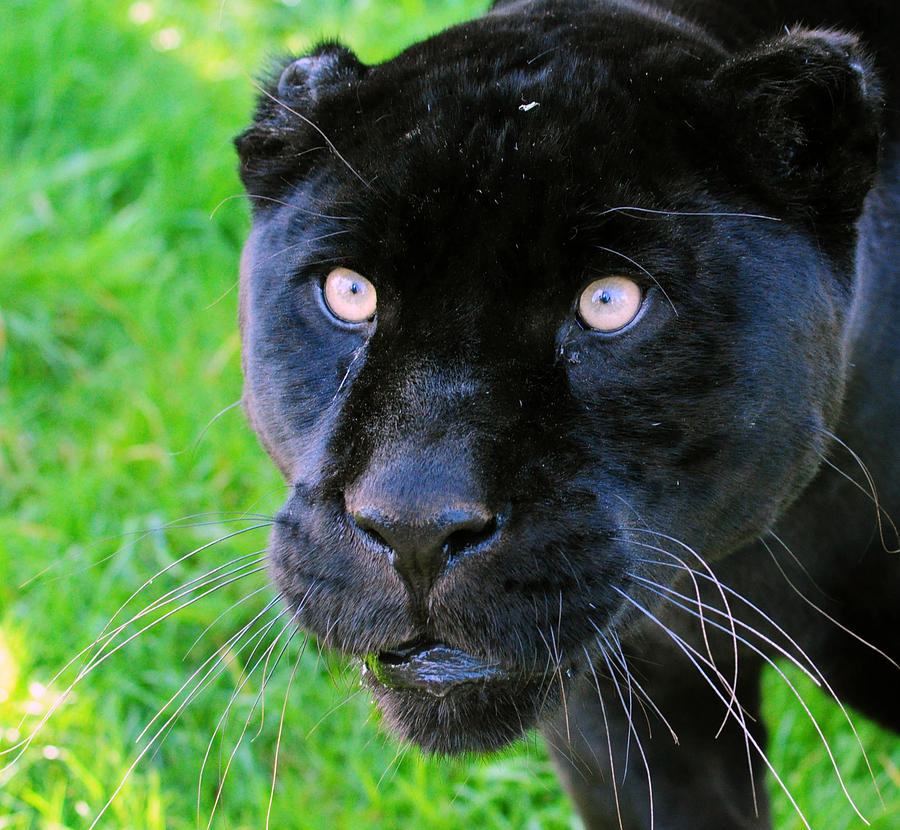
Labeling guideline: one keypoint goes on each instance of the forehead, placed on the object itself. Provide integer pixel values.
(516, 110)
(497, 150)
(604, 57)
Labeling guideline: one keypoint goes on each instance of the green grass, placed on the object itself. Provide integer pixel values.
(120, 240)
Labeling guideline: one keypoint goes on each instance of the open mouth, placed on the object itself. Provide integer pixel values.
(433, 668)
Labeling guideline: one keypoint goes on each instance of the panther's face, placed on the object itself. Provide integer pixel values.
(522, 324)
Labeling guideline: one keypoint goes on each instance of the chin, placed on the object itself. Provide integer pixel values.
(472, 718)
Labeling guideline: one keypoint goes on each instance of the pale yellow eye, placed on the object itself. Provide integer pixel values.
(609, 304)
(349, 296)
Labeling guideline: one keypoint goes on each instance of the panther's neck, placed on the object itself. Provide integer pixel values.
(873, 350)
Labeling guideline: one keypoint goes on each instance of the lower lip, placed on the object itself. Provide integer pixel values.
(437, 670)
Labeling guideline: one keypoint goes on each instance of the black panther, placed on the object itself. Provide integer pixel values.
(573, 330)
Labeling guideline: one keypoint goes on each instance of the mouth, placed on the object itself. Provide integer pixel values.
(433, 668)
(450, 701)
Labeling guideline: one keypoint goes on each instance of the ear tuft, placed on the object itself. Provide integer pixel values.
(274, 151)
(313, 75)
(297, 75)
(805, 111)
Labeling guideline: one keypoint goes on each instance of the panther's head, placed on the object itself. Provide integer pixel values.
(528, 311)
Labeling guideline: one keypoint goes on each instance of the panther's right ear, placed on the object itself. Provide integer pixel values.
(289, 123)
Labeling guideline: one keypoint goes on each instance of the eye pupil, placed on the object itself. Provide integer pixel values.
(605, 298)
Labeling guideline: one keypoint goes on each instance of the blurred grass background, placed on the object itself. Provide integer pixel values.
(120, 230)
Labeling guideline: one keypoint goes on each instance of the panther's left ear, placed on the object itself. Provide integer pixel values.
(803, 120)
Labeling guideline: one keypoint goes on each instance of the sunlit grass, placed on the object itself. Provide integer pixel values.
(118, 348)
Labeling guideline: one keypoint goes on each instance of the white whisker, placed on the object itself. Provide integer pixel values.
(881, 515)
(696, 658)
(644, 270)
(725, 214)
(310, 123)
(281, 728)
(612, 763)
(224, 775)
(667, 594)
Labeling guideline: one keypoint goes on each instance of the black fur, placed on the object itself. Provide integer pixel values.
(739, 166)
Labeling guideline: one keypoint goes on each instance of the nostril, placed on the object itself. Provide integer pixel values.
(464, 539)
(372, 524)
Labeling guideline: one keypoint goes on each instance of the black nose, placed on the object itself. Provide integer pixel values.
(423, 545)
